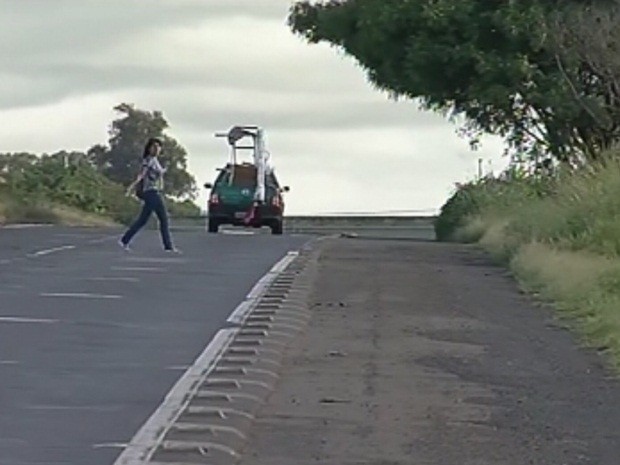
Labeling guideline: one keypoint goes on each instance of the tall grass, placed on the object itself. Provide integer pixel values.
(583, 213)
(484, 202)
(14, 210)
(583, 287)
(561, 236)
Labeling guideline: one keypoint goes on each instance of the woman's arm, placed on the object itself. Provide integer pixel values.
(159, 168)
(139, 178)
(161, 171)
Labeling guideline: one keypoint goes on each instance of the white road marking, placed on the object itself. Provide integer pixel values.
(233, 232)
(110, 445)
(143, 444)
(265, 281)
(152, 431)
(15, 442)
(99, 240)
(17, 319)
(156, 260)
(41, 253)
(90, 408)
(139, 268)
(178, 367)
(80, 295)
(239, 314)
(113, 278)
(9, 362)
(26, 225)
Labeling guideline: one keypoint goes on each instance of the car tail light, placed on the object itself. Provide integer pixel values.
(214, 199)
(276, 201)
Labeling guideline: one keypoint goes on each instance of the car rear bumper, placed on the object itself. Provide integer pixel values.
(224, 214)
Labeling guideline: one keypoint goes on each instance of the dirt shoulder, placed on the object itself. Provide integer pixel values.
(426, 353)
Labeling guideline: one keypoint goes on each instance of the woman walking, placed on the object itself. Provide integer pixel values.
(150, 178)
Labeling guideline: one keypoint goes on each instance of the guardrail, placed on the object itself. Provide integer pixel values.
(393, 227)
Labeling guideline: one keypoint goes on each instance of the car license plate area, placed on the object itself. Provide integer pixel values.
(239, 215)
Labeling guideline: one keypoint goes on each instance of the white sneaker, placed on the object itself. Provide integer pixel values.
(173, 250)
(124, 246)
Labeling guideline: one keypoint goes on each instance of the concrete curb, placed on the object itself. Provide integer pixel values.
(206, 416)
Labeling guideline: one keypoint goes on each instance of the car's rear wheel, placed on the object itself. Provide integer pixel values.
(276, 227)
(213, 225)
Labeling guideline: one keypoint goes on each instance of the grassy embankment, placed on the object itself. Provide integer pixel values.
(561, 238)
(48, 192)
(16, 211)
(13, 210)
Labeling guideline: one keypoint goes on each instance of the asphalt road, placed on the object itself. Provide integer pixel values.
(92, 338)
(423, 353)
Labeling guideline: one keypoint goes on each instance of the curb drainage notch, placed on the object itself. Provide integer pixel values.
(210, 426)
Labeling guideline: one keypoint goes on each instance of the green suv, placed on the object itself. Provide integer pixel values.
(232, 200)
(246, 194)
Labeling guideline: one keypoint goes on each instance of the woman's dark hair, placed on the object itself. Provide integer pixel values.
(149, 143)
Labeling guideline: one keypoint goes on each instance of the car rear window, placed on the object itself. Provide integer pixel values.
(240, 176)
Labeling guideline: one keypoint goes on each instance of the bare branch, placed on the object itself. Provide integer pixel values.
(574, 90)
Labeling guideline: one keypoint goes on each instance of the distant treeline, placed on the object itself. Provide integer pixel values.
(94, 182)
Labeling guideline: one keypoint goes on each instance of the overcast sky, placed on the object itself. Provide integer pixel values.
(340, 145)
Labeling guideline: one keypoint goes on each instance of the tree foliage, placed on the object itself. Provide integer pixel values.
(69, 178)
(495, 63)
(585, 39)
(94, 182)
(64, 177)
(121, 161)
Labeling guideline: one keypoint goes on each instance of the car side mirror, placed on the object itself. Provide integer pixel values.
(208, 185)
(286, 189)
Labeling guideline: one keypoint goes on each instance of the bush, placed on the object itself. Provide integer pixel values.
(489, 197)
(561, 237)
(583, 213)
(36, 187)
(183, 209)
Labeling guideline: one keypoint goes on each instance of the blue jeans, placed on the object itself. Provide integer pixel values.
(152, 203)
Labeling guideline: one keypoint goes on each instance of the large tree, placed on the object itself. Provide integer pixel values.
(121, 161)
(488, 62)
(585, 40)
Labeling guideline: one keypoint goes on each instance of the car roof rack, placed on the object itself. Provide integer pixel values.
(259, 153)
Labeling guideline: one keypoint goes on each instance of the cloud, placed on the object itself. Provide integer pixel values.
(68, 48)
(210, 64)
(71, 124)
(351, 170)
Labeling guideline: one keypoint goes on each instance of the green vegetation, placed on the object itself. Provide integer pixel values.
(545, 76)
(121, 160)
(561, 236)
(88, 188)
(541, 75)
